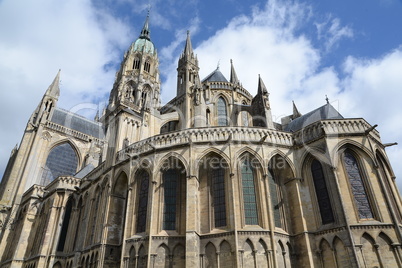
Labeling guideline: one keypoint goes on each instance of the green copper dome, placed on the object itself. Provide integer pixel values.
(143, 45)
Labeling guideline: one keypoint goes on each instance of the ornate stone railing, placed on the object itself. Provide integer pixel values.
(71, 132)
(34, 191)
(334, 128)
(63, 182)
(217, 135)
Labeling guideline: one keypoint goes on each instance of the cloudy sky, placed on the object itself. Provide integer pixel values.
(350, 51)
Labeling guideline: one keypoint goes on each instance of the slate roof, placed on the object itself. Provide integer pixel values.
(215, 76)
(78, 123)
(324, 112)
(85, 171)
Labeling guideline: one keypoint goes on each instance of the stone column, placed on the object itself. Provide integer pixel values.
(192, 218)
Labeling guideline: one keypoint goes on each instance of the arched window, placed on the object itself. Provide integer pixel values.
(62, 160)
(273, 189)
(136, 64)
(321, 192)
(249, 193)
(170, 187)
(218, 188)
(221, 112)
(147, 66)
(357, 186)
(143, 177)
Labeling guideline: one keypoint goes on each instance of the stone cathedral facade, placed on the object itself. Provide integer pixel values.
(207, 180)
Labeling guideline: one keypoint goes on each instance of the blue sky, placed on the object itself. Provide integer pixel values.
(304, 50)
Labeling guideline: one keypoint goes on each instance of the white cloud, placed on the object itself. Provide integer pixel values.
(330, 32)
(38, 38)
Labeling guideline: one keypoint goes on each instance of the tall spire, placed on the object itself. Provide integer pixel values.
(54, 90)
(188, 49)
(233, 75)
(145, 33)
(262, 89)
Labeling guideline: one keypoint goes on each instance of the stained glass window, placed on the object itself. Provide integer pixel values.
(142, 202)
(321, 192)
(62, 160)
(222, 113)
(170, 179)
(249, 199)
(218, 179)
(273, 190)
(357, 185)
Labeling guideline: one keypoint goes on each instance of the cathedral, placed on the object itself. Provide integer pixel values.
(206, 180)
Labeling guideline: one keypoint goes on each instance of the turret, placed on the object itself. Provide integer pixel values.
(187, 70)
(48, 102)
(262, 116)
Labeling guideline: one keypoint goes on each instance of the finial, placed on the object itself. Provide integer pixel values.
(219, 62)
(188, 32)
(326, 98)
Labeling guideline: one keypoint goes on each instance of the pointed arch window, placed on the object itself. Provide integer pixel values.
(273, 189)
(170, 187)
(222, 112)
(142, 202)
(357, 185)
(321, 191)
(147, 66)
(62, 160)
(249, 193)
(136, 64)
(218, 189)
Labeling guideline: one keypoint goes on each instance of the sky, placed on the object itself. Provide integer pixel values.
(350, 51)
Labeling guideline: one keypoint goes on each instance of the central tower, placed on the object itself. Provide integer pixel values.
(135, 96)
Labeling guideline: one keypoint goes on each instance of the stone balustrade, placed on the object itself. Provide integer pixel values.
(334, 128)
(34, 191)
(71, 132)
(253, 135)
(63, 182)
(217, 135)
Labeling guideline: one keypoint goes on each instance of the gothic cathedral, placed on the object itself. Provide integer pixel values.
(207, 180)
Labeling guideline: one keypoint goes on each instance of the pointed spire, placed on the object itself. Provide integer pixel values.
(188, 49)
(54, 90)
(296, 112)
(262, 89)
(233, 75)
(145, 33)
